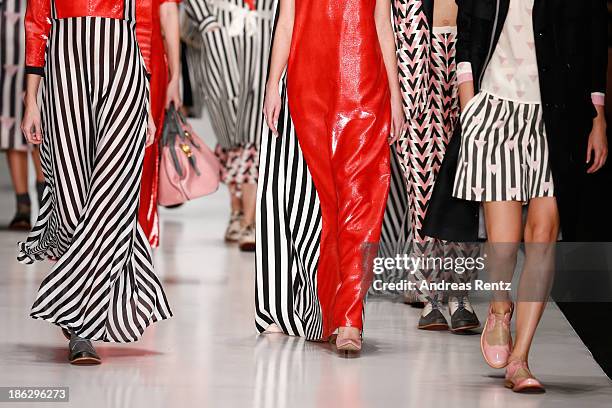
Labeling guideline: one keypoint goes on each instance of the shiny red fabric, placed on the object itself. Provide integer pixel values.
(340, 105)
(38, 22)
(147, 213)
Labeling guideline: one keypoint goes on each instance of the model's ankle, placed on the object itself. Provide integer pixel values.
(501, 307)
(349, 331)
(518, 357)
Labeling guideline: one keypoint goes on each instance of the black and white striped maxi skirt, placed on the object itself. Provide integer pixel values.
(95, 104)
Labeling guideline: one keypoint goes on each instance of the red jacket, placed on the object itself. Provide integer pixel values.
(38, 24)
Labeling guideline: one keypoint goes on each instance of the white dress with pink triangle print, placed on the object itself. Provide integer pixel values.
(512, 73)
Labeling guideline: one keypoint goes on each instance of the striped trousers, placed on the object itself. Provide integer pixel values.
(235, 38)
(95, 107)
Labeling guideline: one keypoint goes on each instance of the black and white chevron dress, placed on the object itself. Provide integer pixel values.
(12, 54)
(95, 104)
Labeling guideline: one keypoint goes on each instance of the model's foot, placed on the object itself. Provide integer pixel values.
(520, 379)
(496, 339)
(232, 233)
(462, 314)
(273, 329)
(82, 352)
(348, 341)
(432, 318)
(22, 219)
(246, 242)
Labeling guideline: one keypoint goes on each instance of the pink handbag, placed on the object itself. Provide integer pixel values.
(188, 168)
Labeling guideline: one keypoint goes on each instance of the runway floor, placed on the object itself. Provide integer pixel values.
(209, 355)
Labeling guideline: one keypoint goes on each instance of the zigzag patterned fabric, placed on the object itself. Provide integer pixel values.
(413, 50)
(428, 78)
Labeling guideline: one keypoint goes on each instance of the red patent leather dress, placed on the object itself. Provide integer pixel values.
(147, 213)
(38, 23)
(340, 104)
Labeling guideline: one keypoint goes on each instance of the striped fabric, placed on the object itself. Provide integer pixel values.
(236, 42)
(288, 235)
(504, 152)
(12, 55)
(95, 99)
(193, 51)
(289, 232)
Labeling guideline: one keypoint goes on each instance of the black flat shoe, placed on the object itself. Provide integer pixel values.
(432, 319)
(82, 352)
(463, 317)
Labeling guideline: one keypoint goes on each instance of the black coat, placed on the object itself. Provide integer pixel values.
(571, 50)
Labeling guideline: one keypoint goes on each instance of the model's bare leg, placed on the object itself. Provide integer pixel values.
(18, 165)
(249, 198)
(235, 201)
(232, 233)
(541, 232)
(504, 231)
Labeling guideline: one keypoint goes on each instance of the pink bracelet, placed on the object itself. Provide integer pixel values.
(465, 77)
(598, 98)
(464, 72)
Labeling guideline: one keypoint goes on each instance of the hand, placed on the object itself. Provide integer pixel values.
(398, 120)
(272, 107)
(150, 131)
(30, 124)
(173, 94)
(597, 149)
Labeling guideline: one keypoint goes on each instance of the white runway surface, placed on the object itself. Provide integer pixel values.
(209, 355)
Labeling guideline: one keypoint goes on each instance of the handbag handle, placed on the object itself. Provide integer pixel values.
(175, 126)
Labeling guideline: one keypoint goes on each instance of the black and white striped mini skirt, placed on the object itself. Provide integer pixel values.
(504, 152)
